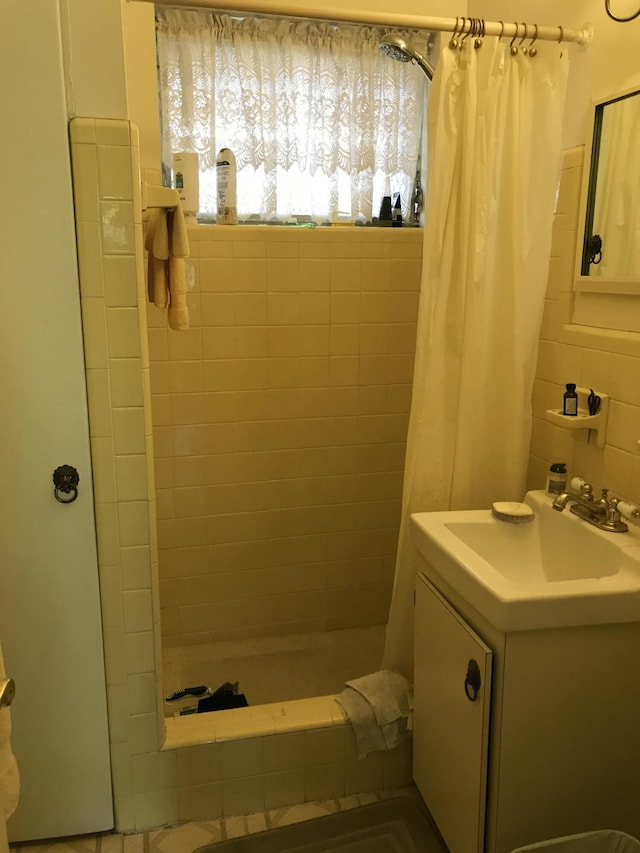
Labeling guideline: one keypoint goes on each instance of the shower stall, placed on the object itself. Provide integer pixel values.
(279, 426)
(276, 429)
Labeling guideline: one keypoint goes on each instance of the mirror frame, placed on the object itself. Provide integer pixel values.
(583, 282)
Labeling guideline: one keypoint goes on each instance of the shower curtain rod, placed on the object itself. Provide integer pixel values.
(383, 19)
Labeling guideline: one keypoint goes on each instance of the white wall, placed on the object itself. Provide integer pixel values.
(608, 64)
(93, 57)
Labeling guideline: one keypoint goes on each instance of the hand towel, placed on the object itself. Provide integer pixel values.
(167, 243)
(9, 777)
(380, 709)
(157, 245)
(178, 251)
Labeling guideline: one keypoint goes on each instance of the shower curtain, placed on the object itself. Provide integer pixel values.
(494, 129)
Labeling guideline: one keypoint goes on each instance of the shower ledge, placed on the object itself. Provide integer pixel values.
(318, 712)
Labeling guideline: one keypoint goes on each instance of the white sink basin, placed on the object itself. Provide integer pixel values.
(553, 571)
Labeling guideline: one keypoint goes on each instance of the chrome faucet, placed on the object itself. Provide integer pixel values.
(603, 513)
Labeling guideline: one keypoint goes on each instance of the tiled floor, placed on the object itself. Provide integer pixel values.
(187, 837)
(276, 669)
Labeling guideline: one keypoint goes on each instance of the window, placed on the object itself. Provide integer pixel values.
(315, 114)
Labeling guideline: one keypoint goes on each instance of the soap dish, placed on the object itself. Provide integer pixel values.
(513, 512)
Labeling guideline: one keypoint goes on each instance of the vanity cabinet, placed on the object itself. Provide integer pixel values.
(550, 745)
(452, 691)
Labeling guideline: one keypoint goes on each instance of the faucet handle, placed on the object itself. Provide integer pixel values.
(581, 486)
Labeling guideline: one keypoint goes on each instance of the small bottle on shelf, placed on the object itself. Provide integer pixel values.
(570, 404)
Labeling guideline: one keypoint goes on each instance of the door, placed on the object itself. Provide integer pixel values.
(452, 687)
(7, 760)
(50, 625)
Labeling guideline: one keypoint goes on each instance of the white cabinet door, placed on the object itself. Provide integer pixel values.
(451, 719)
(50, 623)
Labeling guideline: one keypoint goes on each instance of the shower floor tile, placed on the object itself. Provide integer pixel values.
(276, 669)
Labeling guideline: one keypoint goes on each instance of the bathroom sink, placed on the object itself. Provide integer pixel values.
(554, 571)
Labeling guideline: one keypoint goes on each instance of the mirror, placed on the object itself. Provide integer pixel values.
(611, 247)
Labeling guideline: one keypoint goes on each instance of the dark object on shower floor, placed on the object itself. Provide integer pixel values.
(222, 702)
(398, 825)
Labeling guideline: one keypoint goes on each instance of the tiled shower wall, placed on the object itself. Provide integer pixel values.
(196, 768)
(605, 360)
(279, 424)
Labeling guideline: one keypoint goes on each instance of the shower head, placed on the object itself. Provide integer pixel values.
(399, 48)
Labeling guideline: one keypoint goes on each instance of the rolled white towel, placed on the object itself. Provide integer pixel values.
(380, 709)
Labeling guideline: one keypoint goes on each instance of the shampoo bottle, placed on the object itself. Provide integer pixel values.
(570, 404)
(226, 187)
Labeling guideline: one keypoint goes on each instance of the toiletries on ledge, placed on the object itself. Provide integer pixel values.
(570, 401)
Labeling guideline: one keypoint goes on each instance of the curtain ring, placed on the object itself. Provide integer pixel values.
(533, 50)
(560, 40)
(454, 43)
(512, 48)
(526, 35)
(478, 42)
(468, 33)
(501, 30)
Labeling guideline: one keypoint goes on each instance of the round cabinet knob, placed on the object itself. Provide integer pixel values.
(472, 681)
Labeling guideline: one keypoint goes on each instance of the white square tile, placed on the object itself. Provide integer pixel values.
(89, 258)
(94, 332)
(325, 782)
(240, 796)
(114, 172)
(117, 228)
(153, 771)
(200, 765)
(138, 617)
(133, 523)
(120, 281)
(85, 183)
(202, 803)
(143, 734)
(156, 808)
(131, 477)
(99, 396)
(126, 382)
(142, 694)
(286, 788)
(82, 130)
(242, 758)
(129, 430)
(112, 132)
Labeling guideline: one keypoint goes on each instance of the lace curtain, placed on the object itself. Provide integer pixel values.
(315, 114)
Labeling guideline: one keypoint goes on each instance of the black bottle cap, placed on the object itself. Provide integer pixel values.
(571, 386)
(559, 468)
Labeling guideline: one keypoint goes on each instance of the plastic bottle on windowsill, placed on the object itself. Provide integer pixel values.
(226, 187)
(385, 208)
